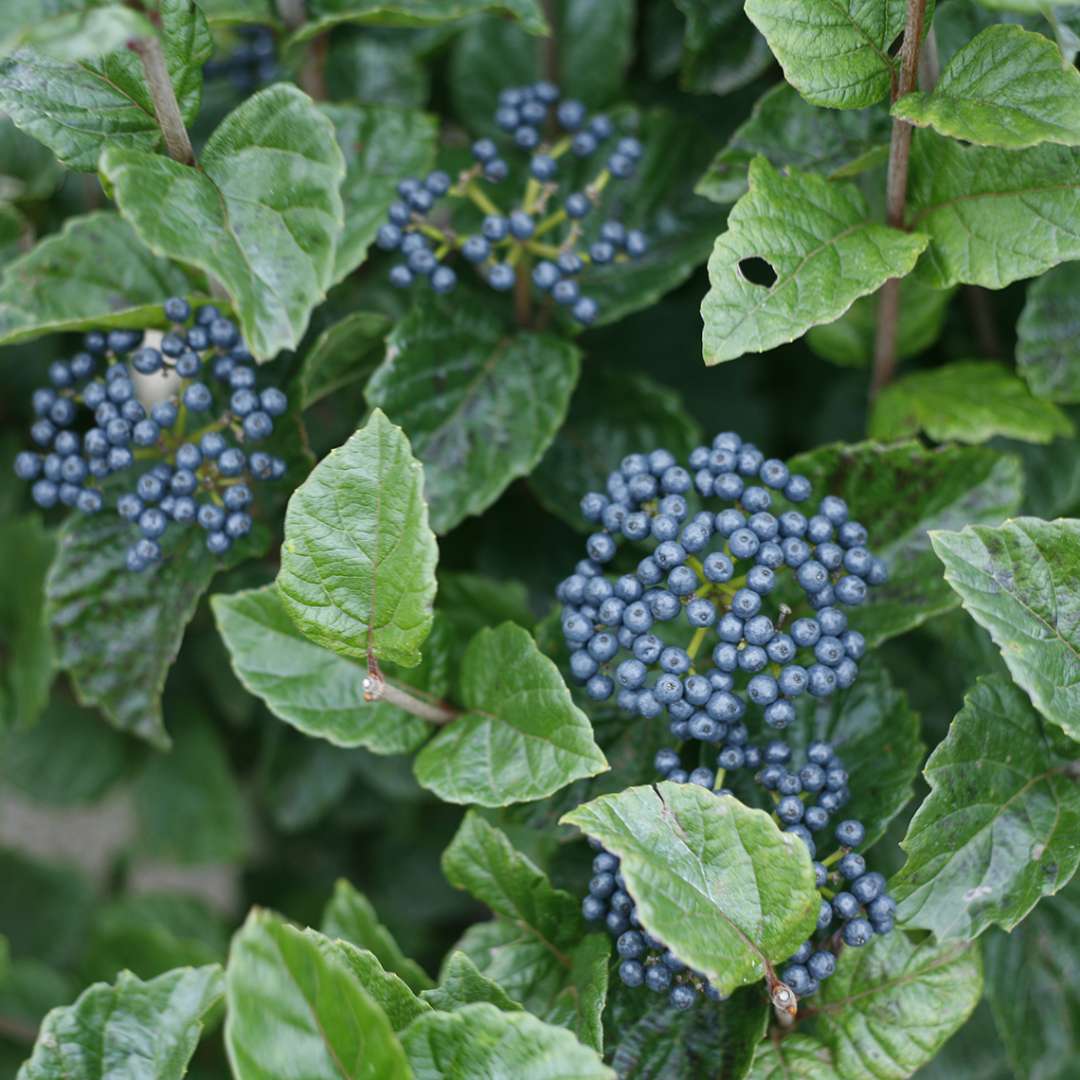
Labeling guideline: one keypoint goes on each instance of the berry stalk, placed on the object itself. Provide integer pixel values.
(166, 108)
(888, 321)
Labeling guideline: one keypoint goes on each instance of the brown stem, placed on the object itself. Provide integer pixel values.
(166, 108)
(982, 319)
(549, 57)
(17, 1031)
(293, 13)
(313, 73)
(377, 688)
(523, 295)
(888, 322)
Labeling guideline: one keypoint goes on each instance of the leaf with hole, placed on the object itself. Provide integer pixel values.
(1019, 582)
(717, 882)
(1007, 87)
(358, 562)
(812, 251)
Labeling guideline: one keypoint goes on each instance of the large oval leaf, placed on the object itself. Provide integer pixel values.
(262, 213)
(717, 882)
(998, 829)
(358, 563)
(1019, 582)
(1048, 335)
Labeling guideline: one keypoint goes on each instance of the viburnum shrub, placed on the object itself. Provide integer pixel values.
(407, 671)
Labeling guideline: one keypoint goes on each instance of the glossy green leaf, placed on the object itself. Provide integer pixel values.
(188, 804)
(316, 690)
(481, 1040)
(296, 1008)
(93, 274)
(358, 563)
(349, 915)
(69, 29)
(479, 405)
(993, 216)
(1018, 581)
(374, 70)
(899, 493)
(343, 354)
(996, 833)
(717, 882)
(817, 239)
(1048, 335)
(722, 51)
(462, 984)
(78, 109)
(794, 134)
(520, 736)
(128, 1028)
(665, 1043)
(1007, 87)
(874, 730)
(386, 989)
(380, 145)
(850, 339)
(967, 401)
(1032, 976)
(797, 1057)
(612, 414)
(26, 648)
(118, 633)
(262, 213)
(535, 950)
(974, 1052)
(834, 53)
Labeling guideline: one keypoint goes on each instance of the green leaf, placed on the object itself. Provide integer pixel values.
(721, 49)
(967, 401)
(536, 950)
(891, 1005)
(68, 758)
(565, 988)
(666, 1043)
(612, 413)
(131, 1027)
(480, 405)
(261, 213)
(796, 1057)
(324, 15)
(315, 690)
(380, 145)
(229, 12)
(358, 563)
(481, 1040)
(717, 882)
(26, 649)
(794, 134)
(1048, 345)
(520, 737)
(900, 492)
(296, 1008)
(70, 29)
(118, 633)
(188, 805)
(469, 602)
(993, 216)
(350, 916)
(28, 170)
(818, 242)
(93, 274)
(1031, 984)
(876, 733)
(388, 991)
(974, 1052)
(482, 861)
(834, 52)
(78, 109)
(462, 984)
(343, 354)
(1018, 581)
(1007, 87)
(850, 339)
(366, 69)
(995, 834)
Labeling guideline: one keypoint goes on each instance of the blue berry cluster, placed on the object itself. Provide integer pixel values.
(644, 960)
(182, 414)
(535, 236)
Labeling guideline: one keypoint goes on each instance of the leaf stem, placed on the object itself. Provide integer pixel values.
(166, 107)
(378, 688)
(549, 57)
(888, 320)
(522, 294)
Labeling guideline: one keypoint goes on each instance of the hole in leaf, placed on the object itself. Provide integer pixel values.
(894, 48)
(757, 271)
